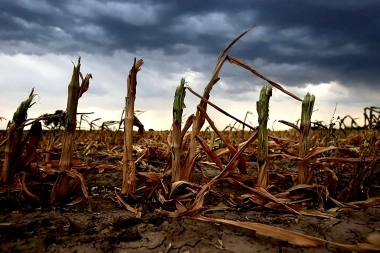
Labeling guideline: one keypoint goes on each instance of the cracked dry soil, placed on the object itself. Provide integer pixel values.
(111, 228)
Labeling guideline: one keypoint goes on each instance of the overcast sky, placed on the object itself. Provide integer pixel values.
(328, 48)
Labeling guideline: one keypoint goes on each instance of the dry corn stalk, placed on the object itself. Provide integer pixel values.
(200, 119)
(178, 106)
(75, 91)
(13, 145)
(129, 177)
(49, 147)
(263, 113)
(307, 110)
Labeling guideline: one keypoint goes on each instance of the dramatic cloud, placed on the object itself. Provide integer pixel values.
(330, 48)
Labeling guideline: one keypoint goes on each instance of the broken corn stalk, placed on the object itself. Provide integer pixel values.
(263, 114)
(15, 132)
(129, 177)
(178, 106)
(307, 111)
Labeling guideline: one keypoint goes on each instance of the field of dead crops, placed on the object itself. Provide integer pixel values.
(195, 188)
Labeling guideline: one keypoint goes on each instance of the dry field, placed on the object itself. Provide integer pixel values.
(338, 206)
(312, 188)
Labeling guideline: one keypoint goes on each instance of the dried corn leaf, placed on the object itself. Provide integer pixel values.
(128, 207)
(242, 64)
(292, 237)
(210, 153)
(371, 202)
(318, 150)
(149, 177)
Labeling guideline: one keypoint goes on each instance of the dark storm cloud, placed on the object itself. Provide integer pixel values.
(295, 42)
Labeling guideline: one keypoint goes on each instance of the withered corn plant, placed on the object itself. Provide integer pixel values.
(75, 91)
(129, 177)
(372, 117)
(307, 111)
(245, 121)
(178, 106)
(200, 118)
(224, 139)
(262, 156)
(13, 145)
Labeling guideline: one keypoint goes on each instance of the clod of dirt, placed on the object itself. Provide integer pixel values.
(122, 222)
(156, 220)
(128, 235)
(107, 246)
(85, 239)
(52, 239)
(45, 222)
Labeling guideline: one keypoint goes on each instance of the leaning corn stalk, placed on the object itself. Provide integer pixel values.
(307, 110)
(13, 149)
(178, 106)
(199, 118)
(263, 114)
(75, 91)
(129, 177)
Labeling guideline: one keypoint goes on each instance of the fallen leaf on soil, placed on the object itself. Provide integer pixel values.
(6, 224)
(25, 188)
(371, 202)
(374, 239)
(128, 207)
(104, 167)
(11, 187)
(292, 237)
(77, 200)
(347, 160)
(310, 212)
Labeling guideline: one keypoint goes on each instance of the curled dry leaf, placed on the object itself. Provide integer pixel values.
(334, 178)
(177, 184)
(26, 189)
(128, 207)
(150, 177)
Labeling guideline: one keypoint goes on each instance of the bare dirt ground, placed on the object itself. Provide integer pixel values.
(27, 227)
